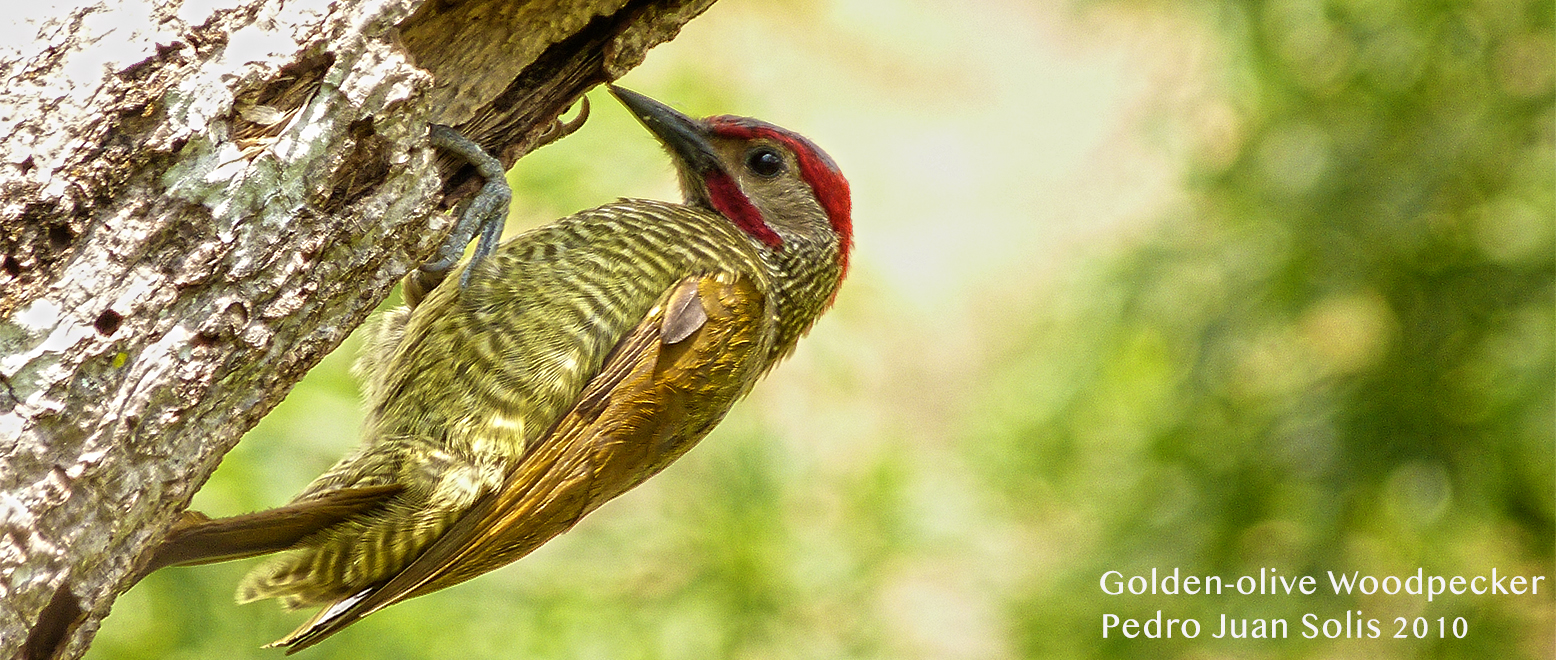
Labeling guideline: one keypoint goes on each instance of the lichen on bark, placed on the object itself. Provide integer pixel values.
(198, 202)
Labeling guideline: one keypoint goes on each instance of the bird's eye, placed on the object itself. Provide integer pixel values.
(765, 162)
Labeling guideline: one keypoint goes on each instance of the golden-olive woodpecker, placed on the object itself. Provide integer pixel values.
(557, 372)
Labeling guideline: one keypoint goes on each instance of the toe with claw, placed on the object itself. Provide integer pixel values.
(483, 218)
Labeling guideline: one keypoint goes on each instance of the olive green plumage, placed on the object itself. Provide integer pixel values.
(457, 389)
(574, 362)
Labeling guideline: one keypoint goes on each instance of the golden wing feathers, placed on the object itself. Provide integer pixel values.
(663, 387)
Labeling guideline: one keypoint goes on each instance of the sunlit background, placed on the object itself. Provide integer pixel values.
(1211, 285)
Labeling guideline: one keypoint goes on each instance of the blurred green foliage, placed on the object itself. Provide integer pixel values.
(1339, 358)
(1332, 352)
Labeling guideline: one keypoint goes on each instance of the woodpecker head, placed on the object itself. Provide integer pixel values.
(774, 184)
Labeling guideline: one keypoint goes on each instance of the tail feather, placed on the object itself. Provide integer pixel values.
(197, 539)
(344, 560)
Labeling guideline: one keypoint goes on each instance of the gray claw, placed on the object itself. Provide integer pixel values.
(486, 213)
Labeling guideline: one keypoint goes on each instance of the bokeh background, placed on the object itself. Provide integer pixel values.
(1212, 285)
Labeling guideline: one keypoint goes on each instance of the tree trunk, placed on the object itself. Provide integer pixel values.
(197, 203)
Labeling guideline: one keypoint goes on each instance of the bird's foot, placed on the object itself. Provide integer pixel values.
(559, 129)
(487, 212)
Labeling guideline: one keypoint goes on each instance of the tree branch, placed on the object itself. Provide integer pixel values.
(194, 209)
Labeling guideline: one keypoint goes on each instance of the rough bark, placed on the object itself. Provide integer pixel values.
(198, 202)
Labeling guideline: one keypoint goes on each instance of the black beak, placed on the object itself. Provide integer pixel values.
(683, 135)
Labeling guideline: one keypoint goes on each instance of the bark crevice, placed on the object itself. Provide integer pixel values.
(192, 218)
